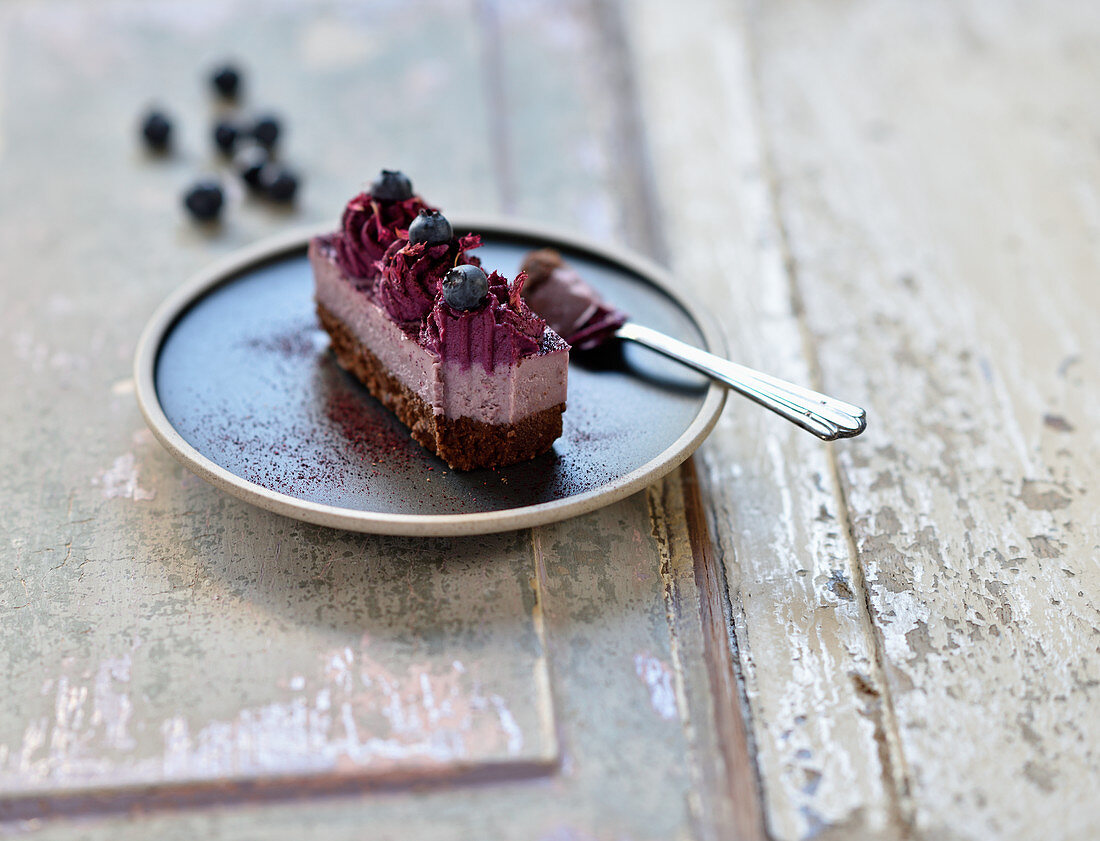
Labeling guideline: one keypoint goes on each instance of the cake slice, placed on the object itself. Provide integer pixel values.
(455, 353)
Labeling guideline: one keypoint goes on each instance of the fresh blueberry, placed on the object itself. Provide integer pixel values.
(392, 185)
(265, 130)
(226, 81)
(226, 133)
(156, 129)
(278, 183)
(204, 200)
(249, 163)
(430, 227)
(465, 287)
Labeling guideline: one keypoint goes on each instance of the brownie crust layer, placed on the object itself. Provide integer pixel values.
(464, 443)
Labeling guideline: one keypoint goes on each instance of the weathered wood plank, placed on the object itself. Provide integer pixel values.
(819, 724)
(157, 633)
(587, 168)
(936, 172)
(581, 654)
(625, 712)
(728, 759)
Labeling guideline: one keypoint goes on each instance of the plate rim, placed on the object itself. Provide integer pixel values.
(224, 270)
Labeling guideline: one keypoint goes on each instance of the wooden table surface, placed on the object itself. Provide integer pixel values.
(892, 637)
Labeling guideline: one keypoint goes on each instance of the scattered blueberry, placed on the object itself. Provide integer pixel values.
(156, 129)
(226, 133)
(227, 81)
(265, 130)
(430, 227)
(249, 163)
(204, 200)
(465, 287)
(249, 146)
(278, 183)
(392, 185)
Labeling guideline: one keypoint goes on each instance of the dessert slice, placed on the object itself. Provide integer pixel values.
(455, 353)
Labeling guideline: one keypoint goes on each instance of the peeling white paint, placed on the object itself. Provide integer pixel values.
(776, 513)
(419, 717)
(120, 480)
(508, 724)
(122, 388)
(658, 680)
(112, 707)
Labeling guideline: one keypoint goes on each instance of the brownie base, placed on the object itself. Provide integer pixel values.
(464, 443)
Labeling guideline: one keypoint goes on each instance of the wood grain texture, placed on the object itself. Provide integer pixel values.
(170, 636)
(819, 718)
(731, 755)
(902, 198)
(181, 665)
(937, 176)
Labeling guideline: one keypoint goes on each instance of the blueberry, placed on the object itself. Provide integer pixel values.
(431, 227)
(278, 183)
(226, 133)
(465, 287)
(156, 129)
(265, 130)
(392, 185)
(204, 200)
(226, 81)
(249, 163)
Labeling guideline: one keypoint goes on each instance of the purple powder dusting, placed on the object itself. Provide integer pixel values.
(296, 341)
(370, 436)
(329, 441)
(311, 454)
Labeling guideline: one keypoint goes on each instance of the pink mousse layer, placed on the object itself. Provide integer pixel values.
(506, 395)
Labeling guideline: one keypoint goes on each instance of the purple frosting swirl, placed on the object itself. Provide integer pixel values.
(405, 280)
(368, 227)
(411, 275)
(500, 332)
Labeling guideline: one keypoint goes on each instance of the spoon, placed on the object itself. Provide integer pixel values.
(824, 416)
(577, 313)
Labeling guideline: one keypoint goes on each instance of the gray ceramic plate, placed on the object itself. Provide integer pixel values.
(235, 378)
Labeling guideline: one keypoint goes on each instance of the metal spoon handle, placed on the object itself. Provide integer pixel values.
(824, 416)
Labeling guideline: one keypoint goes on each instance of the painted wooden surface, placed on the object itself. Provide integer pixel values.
(229, 673)
(806, 655)
(974, 282)
(897, 203)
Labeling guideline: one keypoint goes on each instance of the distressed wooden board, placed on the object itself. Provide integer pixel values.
(806, 654)
(168, 635)
(935, 214)
(937, 173)
(904, 197)
(626, 669)
(160, 633)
